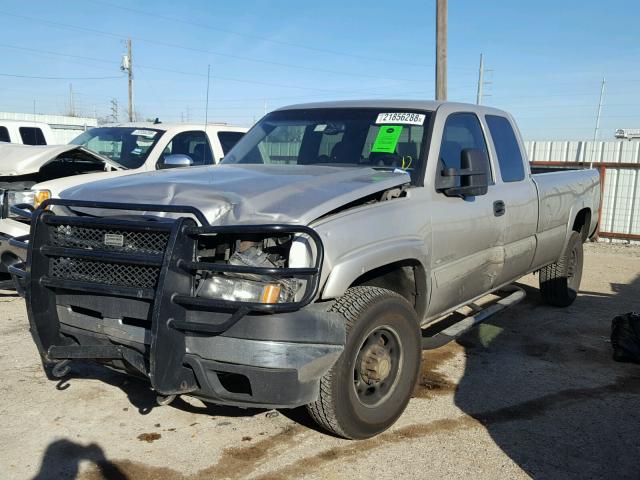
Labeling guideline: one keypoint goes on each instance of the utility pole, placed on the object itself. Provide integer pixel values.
(595, 132)
(480, 80)
(206, 107)
(127, 64)
(441, 50)
(72, 107)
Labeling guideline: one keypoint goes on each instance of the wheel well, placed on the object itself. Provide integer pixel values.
(582, 223)
(406, 278)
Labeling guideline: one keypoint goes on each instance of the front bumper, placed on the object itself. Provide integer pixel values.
(9, 254)
(225, 352)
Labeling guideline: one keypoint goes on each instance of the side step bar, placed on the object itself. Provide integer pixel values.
(451, 332)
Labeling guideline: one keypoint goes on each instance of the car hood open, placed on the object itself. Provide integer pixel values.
(233, 194)
(17, 159)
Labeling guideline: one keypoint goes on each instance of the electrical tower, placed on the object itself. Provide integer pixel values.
(72, 106)
(481, 81)
(114, 109)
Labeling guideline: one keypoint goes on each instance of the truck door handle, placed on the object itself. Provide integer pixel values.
(498, 208)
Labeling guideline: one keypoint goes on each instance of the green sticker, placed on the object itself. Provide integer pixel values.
(387, 139)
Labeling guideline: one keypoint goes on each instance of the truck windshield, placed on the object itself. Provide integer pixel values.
(127, 146)
(349, 137)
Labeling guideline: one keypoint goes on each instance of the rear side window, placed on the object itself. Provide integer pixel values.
(32, 136)
(228, 140)
(507, 148)
(461, 131)
(4, 135)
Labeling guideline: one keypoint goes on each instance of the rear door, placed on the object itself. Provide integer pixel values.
(519, 196)
(466, 257)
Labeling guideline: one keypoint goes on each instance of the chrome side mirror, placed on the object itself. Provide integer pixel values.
(176, 160)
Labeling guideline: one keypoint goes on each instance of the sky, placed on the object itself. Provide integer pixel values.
(545, 60)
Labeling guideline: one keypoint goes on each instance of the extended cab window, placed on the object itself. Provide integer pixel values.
(32, 136)
(4, 135)
(507, 148)
(461, 131)
(194, 144)
(228, 140)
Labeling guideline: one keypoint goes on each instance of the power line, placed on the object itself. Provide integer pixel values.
(15, 75)
(201, 50)
(180, 72)
(57, 54)
(147, 13)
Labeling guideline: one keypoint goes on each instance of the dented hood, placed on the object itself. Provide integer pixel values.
(231, 194)
(17, 159)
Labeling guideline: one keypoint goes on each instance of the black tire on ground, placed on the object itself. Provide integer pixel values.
(6, 282)
(560, 281)
(369, 386)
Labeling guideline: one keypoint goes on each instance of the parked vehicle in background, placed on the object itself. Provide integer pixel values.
(26, 133)
(304, 277)
(29, 175)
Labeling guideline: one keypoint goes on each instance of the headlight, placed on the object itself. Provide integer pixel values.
(40, 196)
(30, 197)
(242, 290)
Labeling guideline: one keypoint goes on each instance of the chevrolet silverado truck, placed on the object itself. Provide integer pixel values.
(301, 270)
(31, 174)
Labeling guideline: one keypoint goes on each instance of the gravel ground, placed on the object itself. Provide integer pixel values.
(532, 392)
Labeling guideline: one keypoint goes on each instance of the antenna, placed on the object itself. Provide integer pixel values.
(206, 107)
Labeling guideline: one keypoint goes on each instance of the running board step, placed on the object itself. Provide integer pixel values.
(451, 332)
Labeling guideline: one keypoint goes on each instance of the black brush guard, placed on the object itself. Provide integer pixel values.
(174, 304)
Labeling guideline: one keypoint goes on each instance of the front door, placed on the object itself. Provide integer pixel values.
(467, 256)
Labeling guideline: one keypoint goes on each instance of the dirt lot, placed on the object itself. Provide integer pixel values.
(533, 392)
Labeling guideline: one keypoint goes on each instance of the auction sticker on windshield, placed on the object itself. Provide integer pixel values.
(387, 139)
(144, 133)
(404, 118)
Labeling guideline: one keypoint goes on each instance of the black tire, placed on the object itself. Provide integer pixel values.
(369, 386)
(6, 282)
(560, 281)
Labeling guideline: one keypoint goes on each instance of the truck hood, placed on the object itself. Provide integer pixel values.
(232, 194)
(60, 184)
(16, 159)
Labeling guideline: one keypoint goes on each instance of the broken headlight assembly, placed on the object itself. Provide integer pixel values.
(252, 287)
(29, 197)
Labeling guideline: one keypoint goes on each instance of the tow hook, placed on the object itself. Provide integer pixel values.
(61, 369)
(165, 400)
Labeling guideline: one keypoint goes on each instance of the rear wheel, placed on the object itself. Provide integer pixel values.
(560, 281)
(370, 385)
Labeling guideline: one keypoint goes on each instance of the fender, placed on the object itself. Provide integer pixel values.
(353, 264)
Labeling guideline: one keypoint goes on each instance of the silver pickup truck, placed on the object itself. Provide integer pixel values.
(301, 270)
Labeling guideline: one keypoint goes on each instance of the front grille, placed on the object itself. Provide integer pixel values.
(91, 238)
(104, 273)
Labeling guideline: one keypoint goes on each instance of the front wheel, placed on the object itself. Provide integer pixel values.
(370, 385)
(560, 281)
